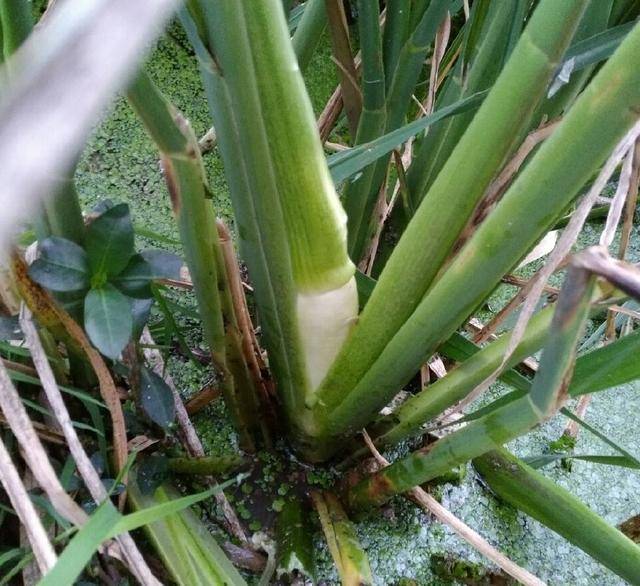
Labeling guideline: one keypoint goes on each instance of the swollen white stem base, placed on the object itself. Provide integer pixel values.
(324, 321)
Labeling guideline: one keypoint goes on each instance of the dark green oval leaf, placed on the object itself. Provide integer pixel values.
(62, 265)
(156, 398)
(164, 265)
(143, 268)
(110, 242)
(107, 320)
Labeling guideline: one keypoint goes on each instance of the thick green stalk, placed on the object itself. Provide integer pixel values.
(362, 194)
(598, 120)
(17, 22)
(537, 496)
(262, 244)
(196, 222)
(372, 121)
(291, 224)
(355, 377)
(309, 32)
(487, 41)
(396, 32)
(594, 21)
(407, 420)
(373, 82)
(548, 392)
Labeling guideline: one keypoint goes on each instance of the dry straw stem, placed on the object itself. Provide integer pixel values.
(440, 46)
(22, 505)
(88, 473)
(34, 453)
(446, 517)
(500, 184)
(632, 201)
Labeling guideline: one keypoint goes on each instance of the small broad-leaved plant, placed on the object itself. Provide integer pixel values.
(106, 283)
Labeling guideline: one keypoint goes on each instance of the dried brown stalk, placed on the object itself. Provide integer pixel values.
(22, 505)
(439, 49)
(596, 261)
(632, 201)
(252, 354)
(342, 56)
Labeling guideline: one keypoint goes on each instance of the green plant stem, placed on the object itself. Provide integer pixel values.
(17, 22)
(548, 393)
(362, 194)
(396, 32)
(407, 420)
(396, 304)
(196, 222)
(290, 222)
(537, 496)
(309, 32)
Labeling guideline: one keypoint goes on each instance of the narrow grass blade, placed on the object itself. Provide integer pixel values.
(184, 543)
(351, 161)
